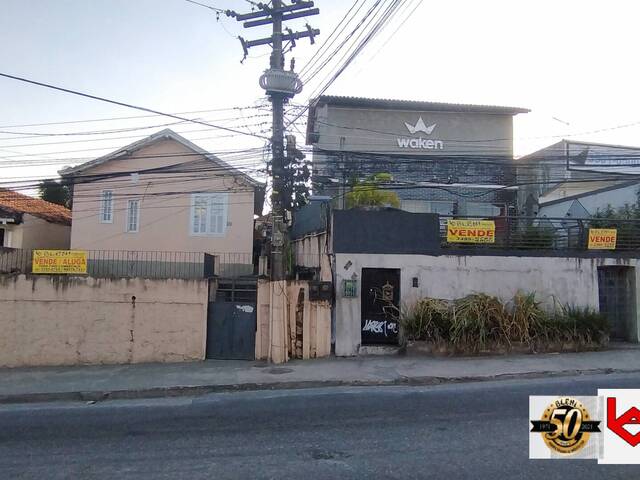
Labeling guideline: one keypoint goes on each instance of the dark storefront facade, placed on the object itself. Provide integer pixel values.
(444, 158)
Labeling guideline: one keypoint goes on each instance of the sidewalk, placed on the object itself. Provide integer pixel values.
(99, 382)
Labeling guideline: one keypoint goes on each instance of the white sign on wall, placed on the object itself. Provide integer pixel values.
(420, 142)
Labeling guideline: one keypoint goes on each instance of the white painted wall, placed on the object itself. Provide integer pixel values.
(569, 280)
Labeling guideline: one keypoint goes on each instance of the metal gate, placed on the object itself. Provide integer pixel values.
(231, 321)
(616, 292)
(380, 302)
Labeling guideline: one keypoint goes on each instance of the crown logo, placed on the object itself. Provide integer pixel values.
(420, 127)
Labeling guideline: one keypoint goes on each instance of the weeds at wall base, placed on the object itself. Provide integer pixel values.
(482, 324)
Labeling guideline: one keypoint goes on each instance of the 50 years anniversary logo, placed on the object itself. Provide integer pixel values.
(605, 427)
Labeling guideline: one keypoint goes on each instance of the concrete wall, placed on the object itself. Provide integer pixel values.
(165, 216)
(569, 280)
(276, 334)
(377, 130)
(55, 320)
(312, 251)
(36, 233)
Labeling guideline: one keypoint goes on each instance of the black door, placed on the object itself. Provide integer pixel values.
(380, 302)
(231, 322)
(616, 291)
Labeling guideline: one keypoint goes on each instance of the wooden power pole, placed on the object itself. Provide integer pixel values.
(280, 85)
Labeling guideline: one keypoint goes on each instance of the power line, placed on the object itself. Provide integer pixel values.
(142, 135)
(217, 10)
(108, 119)
(321, 51)
(377, 26)
(128, 105)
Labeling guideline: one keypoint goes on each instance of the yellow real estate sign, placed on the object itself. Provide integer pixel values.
(59, 261)
(471, 231)
(602, 238)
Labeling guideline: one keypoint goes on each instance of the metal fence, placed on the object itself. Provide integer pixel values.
(144, 264)
(126, 263)
(542, 233)
(235, 265)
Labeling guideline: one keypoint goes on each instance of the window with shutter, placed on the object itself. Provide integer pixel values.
(209, 214)
(133, 215)
(106, 207)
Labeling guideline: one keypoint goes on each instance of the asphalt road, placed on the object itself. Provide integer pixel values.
(474, 431)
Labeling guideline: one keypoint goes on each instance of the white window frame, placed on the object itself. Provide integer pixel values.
(103, 206)
(222, 198)
(128, 219)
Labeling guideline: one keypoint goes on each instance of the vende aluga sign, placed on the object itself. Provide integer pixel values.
(59, 261)
(471, 231)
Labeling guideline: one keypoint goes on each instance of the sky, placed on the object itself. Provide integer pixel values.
(573, 63)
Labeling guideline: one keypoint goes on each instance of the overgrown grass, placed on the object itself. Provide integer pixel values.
(483, 322)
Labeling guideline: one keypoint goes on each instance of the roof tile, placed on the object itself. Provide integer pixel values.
(19, 203)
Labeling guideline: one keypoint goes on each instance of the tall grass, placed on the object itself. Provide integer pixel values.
(480, 322)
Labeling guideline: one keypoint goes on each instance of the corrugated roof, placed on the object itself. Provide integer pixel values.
(18, 203)
(388, 103)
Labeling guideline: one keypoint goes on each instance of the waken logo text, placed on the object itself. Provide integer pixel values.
(420, 142)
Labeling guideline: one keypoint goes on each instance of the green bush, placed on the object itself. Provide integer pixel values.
(583, 324)
(480, 322)
(533, 237)
(477, 322)
(526, 317)
(428, 319)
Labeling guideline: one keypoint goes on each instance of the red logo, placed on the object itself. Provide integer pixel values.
(630, 417)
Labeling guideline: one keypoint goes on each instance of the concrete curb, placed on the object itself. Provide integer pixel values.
(198, 390)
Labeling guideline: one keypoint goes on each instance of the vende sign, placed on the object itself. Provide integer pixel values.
(602, 238)
(59, 261)
(471, 231)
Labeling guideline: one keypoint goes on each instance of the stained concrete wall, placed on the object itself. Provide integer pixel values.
(55, 320)
(569, 280)
(276, 334)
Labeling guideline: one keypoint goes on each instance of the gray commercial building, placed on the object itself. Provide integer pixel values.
(444, 158)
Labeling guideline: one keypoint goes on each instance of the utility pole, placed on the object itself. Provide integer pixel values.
(280, 86)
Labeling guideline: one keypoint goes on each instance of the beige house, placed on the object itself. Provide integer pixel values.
(32, 223)
(164, 193)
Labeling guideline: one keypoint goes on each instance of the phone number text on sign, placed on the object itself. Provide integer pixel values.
(59, 261)
(471, 231)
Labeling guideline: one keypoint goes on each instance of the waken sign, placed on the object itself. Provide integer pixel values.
(420, 143)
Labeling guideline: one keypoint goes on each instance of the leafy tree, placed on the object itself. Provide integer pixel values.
(55, 192)
(368, 193)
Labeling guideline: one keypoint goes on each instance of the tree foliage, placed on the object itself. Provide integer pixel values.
(369, 193)
(55, 192)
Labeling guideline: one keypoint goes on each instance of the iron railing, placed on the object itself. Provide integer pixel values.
(542, 233)
(144, 264)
